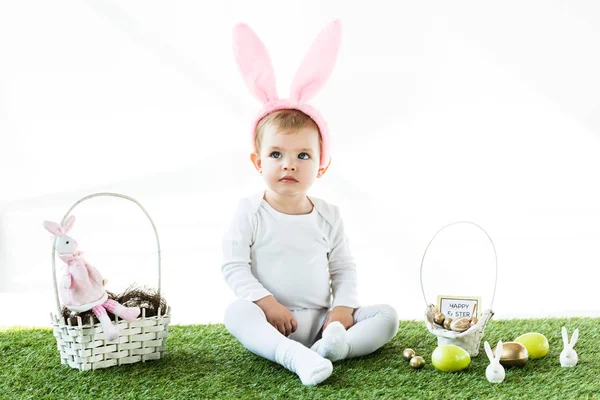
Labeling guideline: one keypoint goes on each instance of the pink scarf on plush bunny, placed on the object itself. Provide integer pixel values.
(314, 71)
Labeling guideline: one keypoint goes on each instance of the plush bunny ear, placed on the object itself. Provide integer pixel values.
(488, 351)
(499, 349)
(565, 336)
(574, 337)
(315, 69)
(53, 228)
(69, 223)
(254, 63)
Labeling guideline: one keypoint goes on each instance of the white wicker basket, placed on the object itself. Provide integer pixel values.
(470, 340)
(85, 347)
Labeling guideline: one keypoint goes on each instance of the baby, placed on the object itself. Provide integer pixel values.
(286, 255)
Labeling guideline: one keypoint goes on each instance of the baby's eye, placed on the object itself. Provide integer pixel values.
(303, 156)
(275, 154)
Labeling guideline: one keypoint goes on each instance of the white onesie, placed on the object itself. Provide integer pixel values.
(304, 261)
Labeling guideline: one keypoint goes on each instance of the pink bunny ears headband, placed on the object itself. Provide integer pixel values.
(255, 65)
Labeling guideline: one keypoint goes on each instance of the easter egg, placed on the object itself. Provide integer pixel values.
(417, 362)
(439, 318)
(408, 353)
(447, 322)
(450, 358)
(460, 324)
(513, 354)
(536, 344)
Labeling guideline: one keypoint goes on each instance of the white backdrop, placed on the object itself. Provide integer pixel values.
(439, 112)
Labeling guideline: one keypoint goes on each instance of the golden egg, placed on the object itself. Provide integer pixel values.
(417, 362)
(439, 318)
(447, 323)
(408, 353)
(513, 354)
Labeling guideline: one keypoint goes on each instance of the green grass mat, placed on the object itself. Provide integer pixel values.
(204, 361)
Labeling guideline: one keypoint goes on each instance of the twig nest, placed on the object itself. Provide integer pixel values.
(143, 297)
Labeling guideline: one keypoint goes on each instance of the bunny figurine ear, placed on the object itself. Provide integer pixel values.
(53, 228)
(565, 336)
(488, 351)
(315, 69)
(69, 223)
(499, 349)
(574, 337)
(254, 63)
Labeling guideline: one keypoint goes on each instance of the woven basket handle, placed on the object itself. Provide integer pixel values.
(434, 236)
(58, 307)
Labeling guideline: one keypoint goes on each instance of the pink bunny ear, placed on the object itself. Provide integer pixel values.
(318, 63)
(53, 228)
(69, 223)
(254, 63)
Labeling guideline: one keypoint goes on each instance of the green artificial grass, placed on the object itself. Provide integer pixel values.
(204, 361)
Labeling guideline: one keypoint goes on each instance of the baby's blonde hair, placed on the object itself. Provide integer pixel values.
(285, 119)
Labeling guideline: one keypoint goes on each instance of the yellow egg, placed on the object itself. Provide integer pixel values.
(450, 358)
(536, 344)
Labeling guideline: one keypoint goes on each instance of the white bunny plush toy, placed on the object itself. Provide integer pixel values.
(81, 286)
(494, 372)
(568, 357)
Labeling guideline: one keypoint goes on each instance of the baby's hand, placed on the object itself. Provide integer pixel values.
(278, 315)
(341, 314)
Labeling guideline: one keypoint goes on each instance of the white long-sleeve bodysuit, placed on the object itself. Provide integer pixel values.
(304, 261)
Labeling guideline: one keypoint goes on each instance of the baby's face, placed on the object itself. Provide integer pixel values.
(290, 160)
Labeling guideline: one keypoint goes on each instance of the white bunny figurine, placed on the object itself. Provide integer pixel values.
(81, 286)
(568, 357)
(494, 372)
